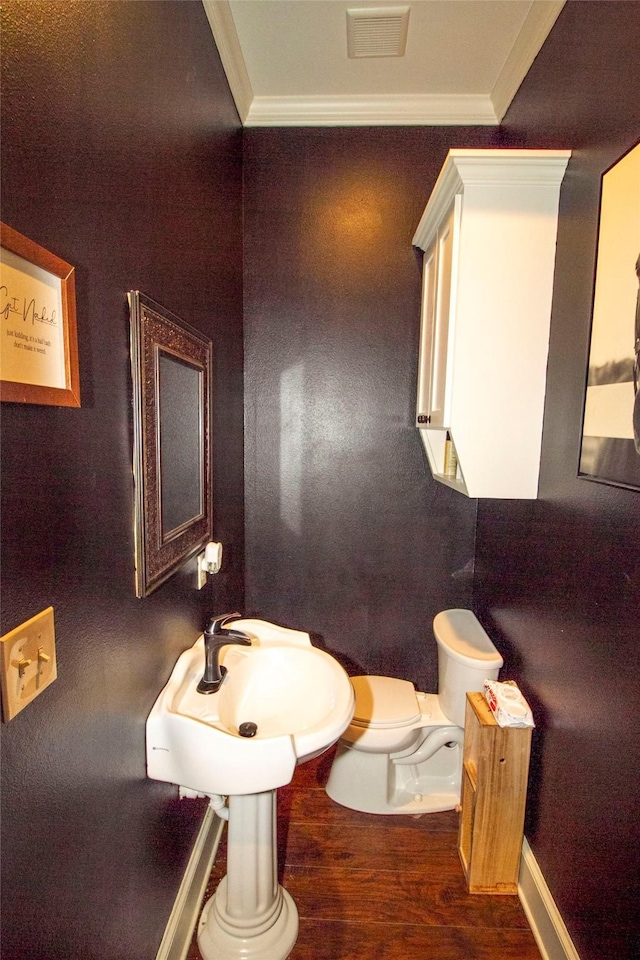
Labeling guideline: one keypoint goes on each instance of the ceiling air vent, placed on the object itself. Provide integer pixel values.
(377, 32)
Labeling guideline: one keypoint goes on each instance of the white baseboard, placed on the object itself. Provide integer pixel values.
(544, 918)
(178, 933)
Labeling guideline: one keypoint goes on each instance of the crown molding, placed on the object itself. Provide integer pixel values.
(410, 110)
(505, 167)
(224, 33)
(535, 30)
(392, 110)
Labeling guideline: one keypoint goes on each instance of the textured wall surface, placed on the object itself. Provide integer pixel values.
(121, 153)
(558, 579)
(348, 536)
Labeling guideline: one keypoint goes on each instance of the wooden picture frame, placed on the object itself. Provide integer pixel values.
(38, 330)
(171, 366)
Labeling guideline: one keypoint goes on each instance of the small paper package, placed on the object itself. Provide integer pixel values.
(507, 704)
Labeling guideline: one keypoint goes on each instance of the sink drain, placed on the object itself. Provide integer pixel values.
(248, 729)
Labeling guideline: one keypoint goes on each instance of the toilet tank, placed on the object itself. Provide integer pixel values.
(466, 658)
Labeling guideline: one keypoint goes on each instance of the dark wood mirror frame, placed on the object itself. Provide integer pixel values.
(158, 335)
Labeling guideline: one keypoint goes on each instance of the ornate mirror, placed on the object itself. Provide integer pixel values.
(171, 371)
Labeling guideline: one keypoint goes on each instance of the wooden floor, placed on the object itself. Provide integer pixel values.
(382, 887)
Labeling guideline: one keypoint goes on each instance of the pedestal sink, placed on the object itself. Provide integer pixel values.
(300, 700)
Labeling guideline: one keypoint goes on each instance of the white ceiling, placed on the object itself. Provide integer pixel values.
(287, 65)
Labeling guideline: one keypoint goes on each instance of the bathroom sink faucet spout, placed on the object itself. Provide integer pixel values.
(216, 636)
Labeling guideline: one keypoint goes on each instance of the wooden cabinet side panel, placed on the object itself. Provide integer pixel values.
(465, 832)
(472, 728)
(500, 808)
(498, 759)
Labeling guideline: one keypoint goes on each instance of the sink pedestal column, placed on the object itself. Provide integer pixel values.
(250, 916)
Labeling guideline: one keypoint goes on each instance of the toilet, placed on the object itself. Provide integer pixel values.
(402, 752)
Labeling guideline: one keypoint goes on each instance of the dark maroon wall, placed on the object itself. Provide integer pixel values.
(347, 534)
(121, 153)
(558, 579)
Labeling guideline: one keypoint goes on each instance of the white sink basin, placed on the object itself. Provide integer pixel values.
(299, 697)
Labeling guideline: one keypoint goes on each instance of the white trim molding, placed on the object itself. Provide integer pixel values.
(535, 30)
(397, 110)
(544, 918)
(224, 33)
(184, 916)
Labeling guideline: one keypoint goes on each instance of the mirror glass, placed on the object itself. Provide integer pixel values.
(180, 442)
(171, 373)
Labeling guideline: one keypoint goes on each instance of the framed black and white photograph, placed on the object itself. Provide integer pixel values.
(611, 425)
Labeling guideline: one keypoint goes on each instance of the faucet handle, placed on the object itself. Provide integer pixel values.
(215, 624)
(237, 635)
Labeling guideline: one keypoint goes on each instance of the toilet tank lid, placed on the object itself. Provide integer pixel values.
(384, 701)
(460, 633)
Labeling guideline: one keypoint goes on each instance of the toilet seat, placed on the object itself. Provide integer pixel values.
(384, 703)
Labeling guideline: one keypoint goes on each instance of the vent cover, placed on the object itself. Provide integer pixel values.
(377, 32)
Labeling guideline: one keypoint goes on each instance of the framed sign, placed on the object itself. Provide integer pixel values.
(611, 426)
(38, 334)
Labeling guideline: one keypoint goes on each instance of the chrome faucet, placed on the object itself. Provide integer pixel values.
(216, 636)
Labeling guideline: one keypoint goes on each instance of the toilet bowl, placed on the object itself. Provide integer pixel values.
(402, 752)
